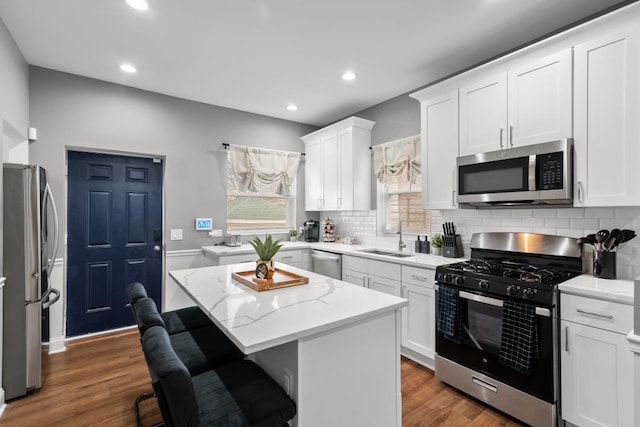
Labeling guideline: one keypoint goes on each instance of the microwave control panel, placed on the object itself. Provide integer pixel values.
(549, 171)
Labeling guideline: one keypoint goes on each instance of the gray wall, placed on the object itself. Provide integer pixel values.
(70, 111)
(14, 83)
(14, 105)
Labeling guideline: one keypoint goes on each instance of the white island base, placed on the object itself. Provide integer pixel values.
(349, 376)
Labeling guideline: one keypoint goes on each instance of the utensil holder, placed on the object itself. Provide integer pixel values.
(604, 264)
(452, 247)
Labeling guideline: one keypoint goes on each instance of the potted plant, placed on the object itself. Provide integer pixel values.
(265, 250)
(436, 244)
(293, 235)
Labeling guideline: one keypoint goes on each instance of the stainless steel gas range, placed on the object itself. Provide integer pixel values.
(497, 321)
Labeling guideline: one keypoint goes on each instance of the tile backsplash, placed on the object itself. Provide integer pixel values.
(572, 222)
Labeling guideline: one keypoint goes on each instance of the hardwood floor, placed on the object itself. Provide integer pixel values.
(96, 381)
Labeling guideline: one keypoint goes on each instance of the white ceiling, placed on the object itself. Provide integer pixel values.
(260, 55)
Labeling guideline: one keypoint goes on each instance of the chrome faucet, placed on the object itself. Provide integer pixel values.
(401, 244)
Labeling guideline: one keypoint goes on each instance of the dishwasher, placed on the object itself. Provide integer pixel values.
(327, 263)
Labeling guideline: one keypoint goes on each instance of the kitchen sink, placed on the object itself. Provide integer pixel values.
(385, 253)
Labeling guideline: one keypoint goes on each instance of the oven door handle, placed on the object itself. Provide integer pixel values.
(540, 311)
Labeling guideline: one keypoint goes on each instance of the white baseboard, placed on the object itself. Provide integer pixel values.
(56, 345)
(96, 334)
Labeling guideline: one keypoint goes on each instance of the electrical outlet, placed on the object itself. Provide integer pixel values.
(216, 233)
(176, 234)
(288, 378)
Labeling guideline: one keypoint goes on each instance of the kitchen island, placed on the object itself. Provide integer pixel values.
(335, 347)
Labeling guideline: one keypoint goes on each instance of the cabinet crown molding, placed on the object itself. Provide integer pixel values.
(355, 122)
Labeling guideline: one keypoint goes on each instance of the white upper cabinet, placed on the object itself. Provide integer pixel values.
(338, 166)
(483, 115)
(525, 105)
(540, 100)
(439, 139)
(607, 120)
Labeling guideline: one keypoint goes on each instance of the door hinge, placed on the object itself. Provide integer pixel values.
(66, 169)
(157, 160)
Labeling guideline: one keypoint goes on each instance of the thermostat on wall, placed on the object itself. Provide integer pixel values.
(204, 224)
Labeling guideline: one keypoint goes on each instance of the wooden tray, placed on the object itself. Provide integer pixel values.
(281, 279)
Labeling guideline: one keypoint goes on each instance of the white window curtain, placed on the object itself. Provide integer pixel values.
(396, 158)
(253, 169)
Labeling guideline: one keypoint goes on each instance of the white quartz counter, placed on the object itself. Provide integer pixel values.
(259, 320)
(416, 260)
(605, 289)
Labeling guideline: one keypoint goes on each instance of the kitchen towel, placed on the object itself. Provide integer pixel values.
(519, 346)
(449, 313)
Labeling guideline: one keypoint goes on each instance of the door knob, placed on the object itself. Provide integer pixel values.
(156, 248)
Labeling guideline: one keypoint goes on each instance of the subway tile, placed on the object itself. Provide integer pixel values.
(570, 213)
(545, 213)
(522, 213)
(631, 212)
(598, 212)
(557, 223)
(586, 224)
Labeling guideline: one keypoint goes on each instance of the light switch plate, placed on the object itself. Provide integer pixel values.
(176, 234)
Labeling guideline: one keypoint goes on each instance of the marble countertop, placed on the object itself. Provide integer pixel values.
(606, 289)
(416, 260)
(256, 321)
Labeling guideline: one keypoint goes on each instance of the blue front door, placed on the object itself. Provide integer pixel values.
(114, 218)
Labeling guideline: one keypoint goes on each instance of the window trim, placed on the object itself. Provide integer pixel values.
(382, 210)
(291, 211)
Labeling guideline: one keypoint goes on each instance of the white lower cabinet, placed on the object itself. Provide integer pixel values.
(596, 363)
(418, 318)
(379, 275)
(294, 257)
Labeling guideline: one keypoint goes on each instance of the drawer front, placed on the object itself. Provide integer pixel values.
(607, 315)
(354, 263)
(388, 270)
(288, 257)
(418, 276)
(233, 259)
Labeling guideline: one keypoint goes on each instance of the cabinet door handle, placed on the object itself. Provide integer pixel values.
(364, 283)
(580, 191)
(501, 132)
(511, 135)
(590, 313)
(566, 338)
(453, 198)
(419, 278)
(339, 202)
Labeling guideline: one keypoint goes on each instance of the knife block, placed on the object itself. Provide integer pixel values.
(452, 247)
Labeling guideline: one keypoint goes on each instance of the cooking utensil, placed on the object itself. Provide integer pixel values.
(590, 239)
(601, 236)
(612, 240)
(627, 235)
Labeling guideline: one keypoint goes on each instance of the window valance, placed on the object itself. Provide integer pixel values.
(399, 157)
(253, 168)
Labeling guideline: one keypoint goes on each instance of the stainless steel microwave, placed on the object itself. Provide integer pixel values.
(539, 174)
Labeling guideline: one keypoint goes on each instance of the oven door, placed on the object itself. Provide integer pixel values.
(481, 341)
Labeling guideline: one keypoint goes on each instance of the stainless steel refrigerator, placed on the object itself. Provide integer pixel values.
(30, 240)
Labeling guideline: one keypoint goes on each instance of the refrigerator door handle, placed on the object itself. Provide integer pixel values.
(47, 301)
(56, 234)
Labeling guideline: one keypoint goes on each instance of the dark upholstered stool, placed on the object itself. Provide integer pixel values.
(175, 321)
(200, 349)
(237, 394)
(197, 340)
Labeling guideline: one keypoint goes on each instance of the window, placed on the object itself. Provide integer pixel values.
(401, 199)
(397, 165)
(260, 192)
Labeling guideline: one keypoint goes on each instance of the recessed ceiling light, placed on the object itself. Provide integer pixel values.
(348, 75)
(128, 68)
(138, 4)
(292, 107)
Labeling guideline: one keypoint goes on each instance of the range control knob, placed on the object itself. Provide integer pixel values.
(483, 284)
(448, 278)
(512, 290)
(459, 280)
(528, 293)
